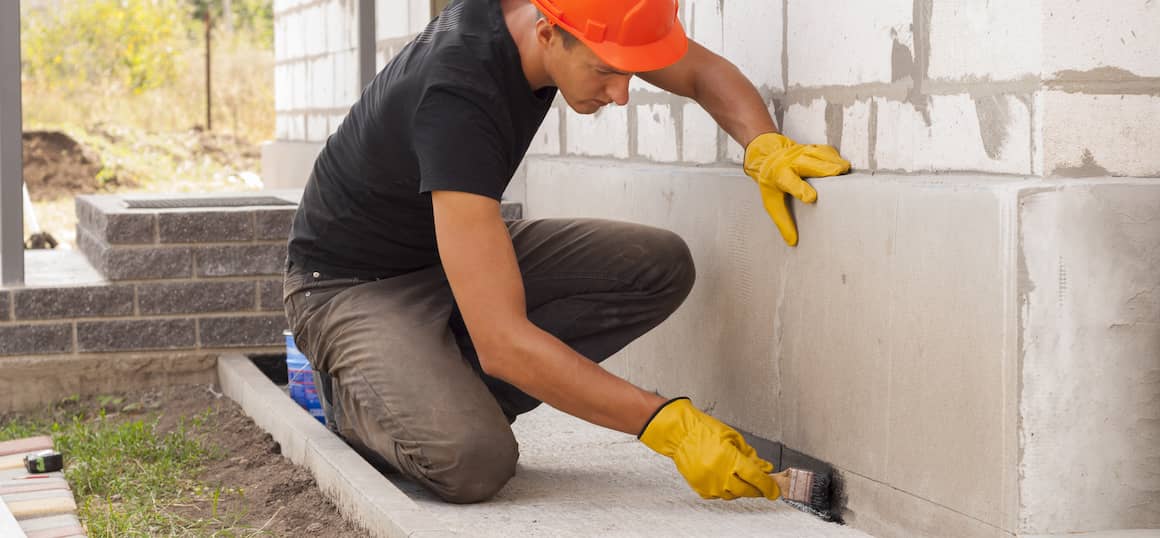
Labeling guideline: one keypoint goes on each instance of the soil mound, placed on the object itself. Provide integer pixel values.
(57, 166)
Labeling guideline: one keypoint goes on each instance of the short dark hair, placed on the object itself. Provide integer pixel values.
(569, 39)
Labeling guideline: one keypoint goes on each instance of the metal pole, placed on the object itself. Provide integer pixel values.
(366, 43)
(208, 79)
(11, 147)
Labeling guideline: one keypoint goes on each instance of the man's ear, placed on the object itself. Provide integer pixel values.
(545, 33)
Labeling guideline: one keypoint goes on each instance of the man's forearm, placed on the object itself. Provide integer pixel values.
(733, 101)
(549, 370)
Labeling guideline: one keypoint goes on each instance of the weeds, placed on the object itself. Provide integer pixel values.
(131, 479)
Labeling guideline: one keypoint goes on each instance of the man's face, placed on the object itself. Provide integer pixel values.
(586, 82)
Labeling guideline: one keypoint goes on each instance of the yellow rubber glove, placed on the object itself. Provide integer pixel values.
(778, 165)
(714, 459)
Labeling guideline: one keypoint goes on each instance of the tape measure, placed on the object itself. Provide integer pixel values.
(45, 461)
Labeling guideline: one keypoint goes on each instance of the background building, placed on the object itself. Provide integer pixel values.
(969, 329)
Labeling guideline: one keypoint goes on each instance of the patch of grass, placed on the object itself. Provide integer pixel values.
(130, 479)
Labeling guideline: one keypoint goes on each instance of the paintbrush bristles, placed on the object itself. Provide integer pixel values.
(809, 488)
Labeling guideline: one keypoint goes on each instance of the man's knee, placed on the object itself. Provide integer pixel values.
(673, 258)
(472, 466)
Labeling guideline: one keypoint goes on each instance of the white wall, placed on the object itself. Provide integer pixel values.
(316, 66)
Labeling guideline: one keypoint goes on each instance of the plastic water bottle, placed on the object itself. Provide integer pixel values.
(300, 380)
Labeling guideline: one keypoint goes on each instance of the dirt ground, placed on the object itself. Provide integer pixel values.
(60, 163)
(56, 166)
(279, 497)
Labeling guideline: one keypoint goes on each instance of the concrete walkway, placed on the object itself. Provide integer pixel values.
(579, 480)
(574, 480)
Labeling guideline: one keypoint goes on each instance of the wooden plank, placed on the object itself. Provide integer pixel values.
(67, 532)
(42, 507)
(49, 522)
(41, 484)
(22, 474)
(8, 524)
(36, 495)
(61, 526)
(62, 532)
(14, 461)
(24, 446)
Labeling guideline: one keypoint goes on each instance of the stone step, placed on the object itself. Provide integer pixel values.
(134, 243)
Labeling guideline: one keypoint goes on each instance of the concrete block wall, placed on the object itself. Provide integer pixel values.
(396, 22)
(316, 66)
(316, 79)
(174, 288)
(902, 85)
(975, 353)
(928, 336)
(914, 86)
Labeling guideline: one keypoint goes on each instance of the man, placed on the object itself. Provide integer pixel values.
(438, 321)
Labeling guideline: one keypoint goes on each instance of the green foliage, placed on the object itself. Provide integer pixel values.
(141, 64)
(130, 478)
(253, 16)
(132, 44)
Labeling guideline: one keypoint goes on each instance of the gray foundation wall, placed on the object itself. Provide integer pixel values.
(976, 355)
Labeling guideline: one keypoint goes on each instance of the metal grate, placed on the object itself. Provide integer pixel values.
(178, 203)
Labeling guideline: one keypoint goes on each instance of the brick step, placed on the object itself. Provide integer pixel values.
(127, 243)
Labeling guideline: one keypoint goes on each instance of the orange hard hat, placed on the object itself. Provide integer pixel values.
(630, 35)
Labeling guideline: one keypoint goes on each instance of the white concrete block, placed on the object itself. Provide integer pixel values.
(1090, 309)
(1083, 36)
(317, 127)
(381, 58)
(1000, 383)
(989, 135)
(315, 29)
(281, 89)
(547, 140)
(332, 20)
(602, 134)
(754, 40)
(420, 14)
(656, 133)
(734, 153)
(723, 362)
(341, 72)
(297, 127)
(335, 121)
(280, 35)
(1037, 134)
(350, 24)
(298, 85)
(1096, 135)
(704, 23)
(281, 127)
(637, 84)
(322, 75)
(834, 42)
(391, 19)
(295, 40)
(698, 135)
(985, 40)
(344, 74)
(887, 512)
(806, 124)
(855, 146)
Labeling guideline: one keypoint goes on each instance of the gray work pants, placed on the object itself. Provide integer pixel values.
(407, 388)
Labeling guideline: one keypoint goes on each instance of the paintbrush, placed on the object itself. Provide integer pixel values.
(807, 489)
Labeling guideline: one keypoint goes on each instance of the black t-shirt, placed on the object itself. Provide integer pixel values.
(451, 111)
